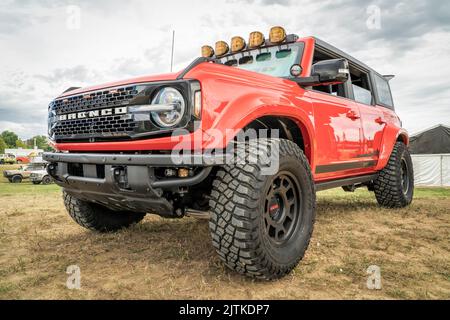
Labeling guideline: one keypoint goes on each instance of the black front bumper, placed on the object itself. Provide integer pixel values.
(126, 182)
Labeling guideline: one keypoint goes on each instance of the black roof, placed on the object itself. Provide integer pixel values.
(350, 58)
(435, 140)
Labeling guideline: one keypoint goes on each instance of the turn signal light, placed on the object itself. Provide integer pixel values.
(221, 48)
(237, 44)
(256, 40)
(198, 104)
(207, 51)
(277, 35)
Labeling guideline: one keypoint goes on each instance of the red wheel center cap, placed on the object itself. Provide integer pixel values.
(274, 207)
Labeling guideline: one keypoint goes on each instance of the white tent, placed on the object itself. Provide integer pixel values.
(431, 170)
(431, 156)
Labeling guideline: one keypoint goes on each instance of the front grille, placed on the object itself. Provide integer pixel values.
(97, 127)
(99, 99)
(105, 126)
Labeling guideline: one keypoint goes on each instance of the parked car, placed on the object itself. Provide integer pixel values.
(22, 160)
(313, 118)
(41, 176)
(24, 172)
(7, 159)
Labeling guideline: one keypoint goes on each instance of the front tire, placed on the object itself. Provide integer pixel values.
(46, 180)
(98, 218)
(394, 187)
(260, 224)
(16, 179)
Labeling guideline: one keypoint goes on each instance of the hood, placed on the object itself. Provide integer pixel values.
(142, 79)
(10, 172)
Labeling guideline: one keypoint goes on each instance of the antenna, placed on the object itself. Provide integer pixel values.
(173, 48)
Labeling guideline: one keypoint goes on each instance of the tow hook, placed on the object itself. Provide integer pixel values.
(120, 176)
(179, 213)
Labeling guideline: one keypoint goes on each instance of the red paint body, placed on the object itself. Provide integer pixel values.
(335, 130)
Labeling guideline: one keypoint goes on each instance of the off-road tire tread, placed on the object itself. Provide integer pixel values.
(234, 219)
(388, 185)
(98, 218)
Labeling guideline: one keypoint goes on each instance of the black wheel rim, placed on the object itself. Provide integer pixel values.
(405, 176)
(282, 208)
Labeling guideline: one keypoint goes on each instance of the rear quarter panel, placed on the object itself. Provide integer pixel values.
(393, 131)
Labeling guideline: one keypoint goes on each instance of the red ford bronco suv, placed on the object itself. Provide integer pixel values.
(245, 136)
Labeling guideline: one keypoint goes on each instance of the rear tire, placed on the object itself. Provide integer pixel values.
(394, 187)
(98, 218)
(16, 179)
(260, 224)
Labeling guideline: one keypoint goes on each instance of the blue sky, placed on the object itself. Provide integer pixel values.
(48, 46)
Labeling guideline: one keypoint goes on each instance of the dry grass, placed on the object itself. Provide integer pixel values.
(173, 259)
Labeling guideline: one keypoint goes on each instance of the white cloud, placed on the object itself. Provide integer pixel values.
(41, 56)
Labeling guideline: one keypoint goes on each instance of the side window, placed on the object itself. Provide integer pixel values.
(361, 86)
(384, 91)
(335, 90)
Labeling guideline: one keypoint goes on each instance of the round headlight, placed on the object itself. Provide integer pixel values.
(169, 96)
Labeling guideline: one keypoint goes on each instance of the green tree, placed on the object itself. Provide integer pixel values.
(21, 144)
(10, 138)
(3, 145)
(41, 143)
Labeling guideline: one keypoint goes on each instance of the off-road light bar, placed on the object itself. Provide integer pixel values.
(256, 39)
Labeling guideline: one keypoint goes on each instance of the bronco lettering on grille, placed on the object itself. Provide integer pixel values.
(93, 113)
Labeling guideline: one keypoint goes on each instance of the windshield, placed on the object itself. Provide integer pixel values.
(274, 61)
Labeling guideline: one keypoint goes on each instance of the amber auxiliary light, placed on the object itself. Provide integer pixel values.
(207, 51)
(222, 48)
(277, 35)
(256, 40)
(237, 44)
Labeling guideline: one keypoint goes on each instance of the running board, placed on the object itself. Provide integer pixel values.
(320, 186)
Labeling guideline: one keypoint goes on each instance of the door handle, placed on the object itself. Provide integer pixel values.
(380, 121)
(352, 115)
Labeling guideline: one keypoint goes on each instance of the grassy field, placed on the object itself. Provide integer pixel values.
(173, 259)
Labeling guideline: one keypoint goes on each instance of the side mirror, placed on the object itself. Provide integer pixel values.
(334, 71)
(331, 71)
